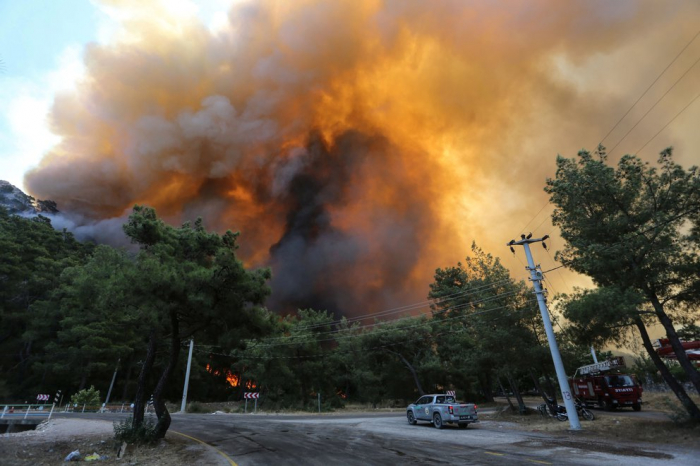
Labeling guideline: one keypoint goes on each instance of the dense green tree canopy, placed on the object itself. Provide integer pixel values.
(32, 259)
(633, 230)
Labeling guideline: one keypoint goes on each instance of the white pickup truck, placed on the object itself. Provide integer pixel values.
(440, 409)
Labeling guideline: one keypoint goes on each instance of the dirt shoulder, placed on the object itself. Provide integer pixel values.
(608, 428)
(52, 441)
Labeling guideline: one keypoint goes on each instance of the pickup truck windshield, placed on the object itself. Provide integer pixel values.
(619, 381)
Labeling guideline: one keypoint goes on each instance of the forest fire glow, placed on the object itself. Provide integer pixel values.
(232, 379)
(351, 143)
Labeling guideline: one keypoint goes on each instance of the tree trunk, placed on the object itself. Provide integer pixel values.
(139, 404)
(505, 393)
(677, 388)
(488, 391)
(410, 368)
(552, 389)
(678, 350)
(83, 379)
(514, 386)
(158, 402)
(550, 402)
(24, 355)
(129, 371)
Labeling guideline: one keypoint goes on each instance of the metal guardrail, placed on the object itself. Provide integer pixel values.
(27, 409)
(16, 410)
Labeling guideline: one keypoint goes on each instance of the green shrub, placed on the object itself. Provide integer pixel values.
(87, 396)
(124, 431)
(195, 407)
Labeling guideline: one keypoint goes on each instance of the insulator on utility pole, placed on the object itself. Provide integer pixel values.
(536, 277)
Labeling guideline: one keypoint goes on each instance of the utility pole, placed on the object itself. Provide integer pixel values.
(109, 392)
(187, 378)
(595, 358)
(536, 278)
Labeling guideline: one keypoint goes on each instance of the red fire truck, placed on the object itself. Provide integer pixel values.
(603, 384)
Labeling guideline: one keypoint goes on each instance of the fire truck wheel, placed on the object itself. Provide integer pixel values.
(637, 407)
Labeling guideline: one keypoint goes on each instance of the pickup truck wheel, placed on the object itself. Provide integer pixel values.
(637, 407)
(411, 418)
(437, 421)
(463, 425)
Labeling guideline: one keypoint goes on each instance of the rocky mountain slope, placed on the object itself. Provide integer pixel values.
(17, 202)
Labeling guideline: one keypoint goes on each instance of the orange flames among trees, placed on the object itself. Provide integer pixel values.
(233, 379)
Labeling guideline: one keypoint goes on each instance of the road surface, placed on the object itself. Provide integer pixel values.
(385, 439)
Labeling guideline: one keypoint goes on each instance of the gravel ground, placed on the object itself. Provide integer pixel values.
(52, 441)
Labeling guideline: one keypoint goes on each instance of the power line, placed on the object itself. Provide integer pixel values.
(365, 350)
(666, 125)
(538, 213)
(344, 336)
(628, 111)
(650, 86)
(654, 106)
(402, 309)
(641, 232)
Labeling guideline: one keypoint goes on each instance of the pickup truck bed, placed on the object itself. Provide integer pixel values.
(441, 409)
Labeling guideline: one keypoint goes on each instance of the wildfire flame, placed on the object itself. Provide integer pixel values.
(232, 379)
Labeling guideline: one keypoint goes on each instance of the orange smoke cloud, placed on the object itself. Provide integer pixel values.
(356, 145)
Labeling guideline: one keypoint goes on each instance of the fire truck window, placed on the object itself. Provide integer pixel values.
(620, 381)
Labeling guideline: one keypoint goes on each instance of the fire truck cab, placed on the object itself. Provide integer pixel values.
(604, 385)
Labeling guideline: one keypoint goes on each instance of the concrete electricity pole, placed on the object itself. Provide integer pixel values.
(536, 278)
(187, 378)
(109, 392)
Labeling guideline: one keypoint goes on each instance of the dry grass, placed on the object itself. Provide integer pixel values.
(665, 402)
(606, 427)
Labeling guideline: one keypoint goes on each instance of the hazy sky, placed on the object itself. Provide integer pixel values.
(357, 145)
(41, 47)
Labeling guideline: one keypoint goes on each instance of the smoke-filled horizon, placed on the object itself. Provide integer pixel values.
(356, 145)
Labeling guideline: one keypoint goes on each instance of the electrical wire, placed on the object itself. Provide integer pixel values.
(666, 125)
(641, 232)
(629, 110)
(522, 230)
(344, 336)
(402, 309)
(365, 350)
(654, 106)
(650, 86)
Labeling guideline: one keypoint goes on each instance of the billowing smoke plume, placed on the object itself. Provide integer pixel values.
(356, 145)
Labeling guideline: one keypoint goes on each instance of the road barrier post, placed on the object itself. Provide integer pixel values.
(256, 407)
(52, 406)
(246, 406)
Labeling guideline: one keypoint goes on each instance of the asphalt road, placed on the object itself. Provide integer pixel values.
(381, 439)
(367, 439)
